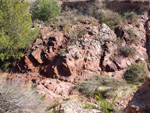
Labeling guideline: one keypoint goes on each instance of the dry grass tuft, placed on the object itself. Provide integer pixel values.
(16, 98)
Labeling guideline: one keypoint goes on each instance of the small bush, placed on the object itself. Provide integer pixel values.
(130, 16)
(66, 25)
(16, 98)
(90, 86)
(133, 37)
(101, 85)
(45, 9)
(127, 51)
(135, 73)
(110, 18)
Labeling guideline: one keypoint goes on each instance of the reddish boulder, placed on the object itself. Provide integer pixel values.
(37, 55)
(54, 89)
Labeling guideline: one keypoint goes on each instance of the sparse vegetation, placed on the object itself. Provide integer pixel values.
(81, 33)
(102, 105)
(90, 86)
(16, 98)
(54, 107)
(100, 13)
(127, 51)
(106, 87)
(110, 18)
(133, 37)
(131, 16)
(136, 73)
(142, 9)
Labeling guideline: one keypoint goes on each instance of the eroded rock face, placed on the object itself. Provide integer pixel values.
(61, 64)
(51, 56)
(128, 37)
(81, 56)
(140, 101)
(100, 50)
(43, 50)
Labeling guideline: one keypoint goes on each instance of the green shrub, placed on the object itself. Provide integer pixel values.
(131, 16)
(110, 18)
(15, 29)
(133, 37)
(16, 98)
(45, 9)
(127, 51)
(135, 73)
(90, 86)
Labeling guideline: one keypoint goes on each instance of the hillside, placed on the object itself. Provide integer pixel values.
(73, 51)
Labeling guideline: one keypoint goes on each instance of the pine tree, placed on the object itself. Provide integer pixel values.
(15, 28)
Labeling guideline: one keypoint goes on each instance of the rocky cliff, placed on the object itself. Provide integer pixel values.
(56, 63)
(140, 102)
